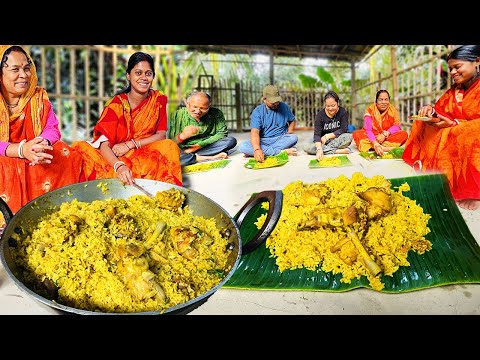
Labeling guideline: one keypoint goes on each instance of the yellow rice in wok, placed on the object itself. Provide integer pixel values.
(387, 239)
(125, 255)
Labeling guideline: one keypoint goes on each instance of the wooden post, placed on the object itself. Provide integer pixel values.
(272, 79)
(353, 114)
(393, 62)
(238, 106)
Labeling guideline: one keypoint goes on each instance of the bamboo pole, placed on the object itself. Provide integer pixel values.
(86, 75)
(393, 62)
(73, 88)
(58, 81)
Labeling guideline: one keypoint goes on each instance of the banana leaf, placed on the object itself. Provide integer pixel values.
(205, 166)
(343, 160)
(453, 259)
(270, 161)
(394, 154)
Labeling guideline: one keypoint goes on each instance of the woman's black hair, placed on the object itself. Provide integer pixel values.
(7, 52)
(381, 91)
(134, 59)
(331, 94)
(465, 52)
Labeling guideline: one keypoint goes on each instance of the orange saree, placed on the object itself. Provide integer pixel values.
(455, 150)
(380, 123)
(20, 182)
(159, 160)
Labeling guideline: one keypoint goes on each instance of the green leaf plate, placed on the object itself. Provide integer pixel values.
(394, 154)
(273, 161)
(205, 166)
(344, 161)
(453, 259)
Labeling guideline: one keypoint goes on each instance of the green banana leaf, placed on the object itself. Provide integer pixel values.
(205, 166)
(394, 154)
(344, 161)
(278, 160)
(453, 259)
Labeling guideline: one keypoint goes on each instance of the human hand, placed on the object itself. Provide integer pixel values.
(35, 151)
(380, 138)
(192, 149)
(190, 131)
(427, 110)
(443, 122)
(378, 149)
(319, 154)
(259, 155)
(120, 149)
(125, 174)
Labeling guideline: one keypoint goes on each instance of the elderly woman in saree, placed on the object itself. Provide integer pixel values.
(450, 141)
(381, 127)
(33, 159)
(129, 139)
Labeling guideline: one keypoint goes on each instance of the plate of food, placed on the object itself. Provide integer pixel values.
(270, 161)
(205, 166)
(394, 154)
(423, 118)
(330, 161)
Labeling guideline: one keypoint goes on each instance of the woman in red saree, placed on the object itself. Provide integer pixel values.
(450, 142)
(33, 159)
(129, 139)
(381, 127)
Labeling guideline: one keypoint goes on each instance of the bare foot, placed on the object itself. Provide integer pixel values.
(469, 204)
(222, 155)
(342, 151)
(292, 151)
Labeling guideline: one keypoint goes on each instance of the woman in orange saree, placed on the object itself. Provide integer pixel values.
(129, 139)
(450, 142)
(381, 128)
(33, 159)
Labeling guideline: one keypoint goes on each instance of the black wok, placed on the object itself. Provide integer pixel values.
(29, 215)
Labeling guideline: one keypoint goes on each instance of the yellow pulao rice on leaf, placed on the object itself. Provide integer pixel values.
(387, 239)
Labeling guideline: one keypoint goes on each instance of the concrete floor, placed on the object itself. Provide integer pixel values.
(231, 187)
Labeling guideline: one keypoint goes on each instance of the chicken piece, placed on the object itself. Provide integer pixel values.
(135, 250)
(183, 238)
(350, 215)
(339, 244)
(313, 196)
(348, 254)
(139, 279)
(170, 199)
(379, 202)
(370, 264)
